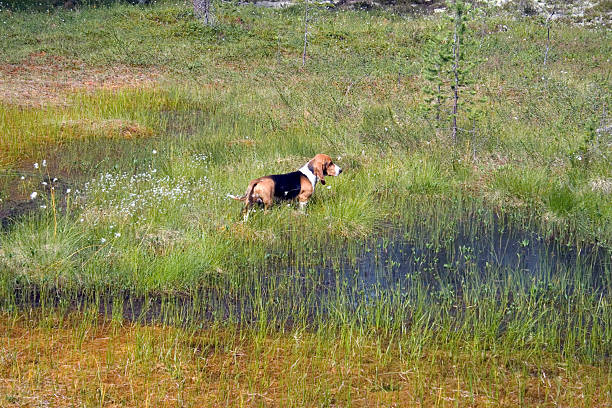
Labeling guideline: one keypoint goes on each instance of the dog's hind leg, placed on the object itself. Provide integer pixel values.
(248, 201)
(246, 210)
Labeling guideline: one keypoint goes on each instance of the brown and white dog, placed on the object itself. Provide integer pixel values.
(300, 184)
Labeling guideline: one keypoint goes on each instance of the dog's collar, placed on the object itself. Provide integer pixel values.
(308, 173)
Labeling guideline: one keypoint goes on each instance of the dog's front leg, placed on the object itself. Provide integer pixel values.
(303, 206)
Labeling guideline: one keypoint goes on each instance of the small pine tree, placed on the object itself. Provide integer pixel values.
(449, 66)
(437, 57)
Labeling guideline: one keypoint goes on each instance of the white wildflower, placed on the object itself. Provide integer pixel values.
(44, 183)
(68, 191)
(103, 240)
(154, 151)
(22, 177)
(43, 206)
(33, 195)
(117, 234)
(44, 163)
(35, 165)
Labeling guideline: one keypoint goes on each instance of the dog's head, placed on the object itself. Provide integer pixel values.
(322, 165)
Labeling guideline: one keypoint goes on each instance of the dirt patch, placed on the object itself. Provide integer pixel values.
(12, 210)
(42, 79)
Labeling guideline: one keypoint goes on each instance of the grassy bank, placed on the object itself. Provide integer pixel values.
(439, 273)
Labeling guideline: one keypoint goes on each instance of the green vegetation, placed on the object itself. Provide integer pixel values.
(429, 272)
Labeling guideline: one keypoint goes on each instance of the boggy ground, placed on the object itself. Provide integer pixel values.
(66, 362)
(147, 119)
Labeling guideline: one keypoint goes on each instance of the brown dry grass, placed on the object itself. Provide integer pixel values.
(75, 364)
(43, 79)
(107, 128)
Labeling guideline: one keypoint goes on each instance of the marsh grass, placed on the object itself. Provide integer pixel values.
(426, 274)
(130, 364)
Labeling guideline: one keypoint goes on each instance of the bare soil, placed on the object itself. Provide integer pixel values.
(42, 79)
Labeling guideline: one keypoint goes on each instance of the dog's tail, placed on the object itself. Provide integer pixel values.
(247, 195)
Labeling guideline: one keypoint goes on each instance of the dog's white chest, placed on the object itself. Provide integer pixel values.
(311, 177)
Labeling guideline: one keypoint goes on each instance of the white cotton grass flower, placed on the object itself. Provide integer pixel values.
(154, 151)
(44, 163)
(68, 191)
(35, 165)
(117, 234)
(102, 240)
(33, 195)
(199, 158)
(22, 177)
(125, 195)
(44, 183)
(54, 179)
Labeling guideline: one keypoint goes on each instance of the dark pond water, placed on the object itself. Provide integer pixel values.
(396, 268)
(472, 254)
(473, 259)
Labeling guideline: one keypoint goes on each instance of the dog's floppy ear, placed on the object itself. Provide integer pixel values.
(316, 166)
